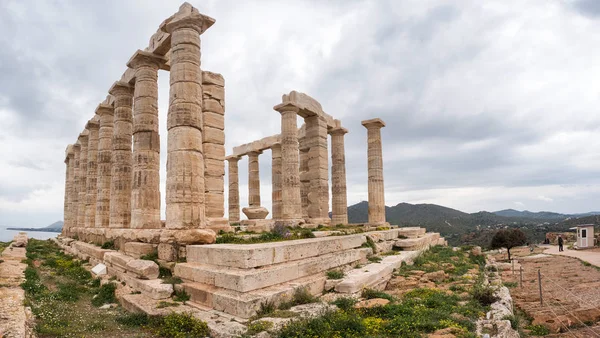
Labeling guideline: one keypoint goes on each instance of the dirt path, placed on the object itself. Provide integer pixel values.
(590, 256)
(13, 317)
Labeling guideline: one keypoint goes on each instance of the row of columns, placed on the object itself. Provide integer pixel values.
(112, 171)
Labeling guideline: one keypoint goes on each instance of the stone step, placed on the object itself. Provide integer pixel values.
(423, 242)
(244, 280)
(374, 274)
(255, 255)
(245, 304)
(86, 250)
(412, 232)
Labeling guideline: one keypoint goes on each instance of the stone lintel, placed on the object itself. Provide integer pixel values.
(373, 123)
(338, 131)
(120, 87)
(259, 145)
(141, 57)
(188, 17)
(104, 108)
(307, 106)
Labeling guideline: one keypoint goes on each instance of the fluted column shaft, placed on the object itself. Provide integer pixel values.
(234, 189)
(339, 199)
(276, 180)
(75, 188)
(253, 179)
(291, 207)
(375, 169)
(68, 208)
(145, 189)
(83, 141)
(105, 151)
(120, 187)
(92, 173)
(304, 177)
(318, 194)
(185, 161)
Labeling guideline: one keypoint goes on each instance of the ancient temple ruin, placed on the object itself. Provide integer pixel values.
(112, 188)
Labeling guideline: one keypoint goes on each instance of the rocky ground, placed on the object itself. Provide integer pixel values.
(569, 289)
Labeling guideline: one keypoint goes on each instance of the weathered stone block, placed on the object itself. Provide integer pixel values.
(167, 252)
(213, 135)
(137, 249)
(143, 268)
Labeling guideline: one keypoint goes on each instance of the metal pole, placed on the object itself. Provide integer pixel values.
(521, 278)
(513, 265)
(540, 284)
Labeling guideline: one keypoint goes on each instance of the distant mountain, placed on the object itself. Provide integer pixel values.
(55, 225)
(528, 214)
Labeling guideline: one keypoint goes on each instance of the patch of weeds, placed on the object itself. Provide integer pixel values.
(110, 245)
(135, 293)
(402, 237)
(345, 303)
(484, 294)
(182, 325)
(369, 244)
(134, 319)
(266, 308)
(511, 284)
(258, 326)
(335, 274)
(374, 259)
(105, 295)
(113, 278)
(390, 253)
(163, 304)
(538, 330)
(515, 321)
(300, 296)
(372, 294)
(181, 296)
(491, 268)
(153, 256)
(164, 272)
(95, 283)
(172, 280)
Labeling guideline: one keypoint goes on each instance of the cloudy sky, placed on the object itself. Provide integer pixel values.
(488, 104)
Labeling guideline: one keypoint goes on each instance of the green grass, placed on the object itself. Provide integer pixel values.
(335, 274)
(538, 330)
(105, 295)
(276, 235)
(374, 259)
(372, 294)
(258, 326)
(301, 296)
(109, 245)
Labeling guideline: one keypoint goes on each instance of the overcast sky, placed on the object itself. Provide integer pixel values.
(488, 104)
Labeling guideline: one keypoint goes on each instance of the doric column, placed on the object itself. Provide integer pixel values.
(291, 207)
(145, 188)
(68, 209)
(83, 141)
(213, 146)
(304, 177)
(318, 166)
(185, 161)
(276, 180)
(253, 180)
(120, 187)
(92, 173)
(234, 189)
(105, 150)
(339, 205)
(375, 160)
(75, 189)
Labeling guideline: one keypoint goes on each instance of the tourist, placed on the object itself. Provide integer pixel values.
(560, 243)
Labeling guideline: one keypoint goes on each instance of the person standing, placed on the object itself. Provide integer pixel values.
(560, 243)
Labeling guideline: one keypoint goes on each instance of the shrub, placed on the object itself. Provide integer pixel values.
(301, 296)
(164, 272)
(538, 330)
(182, 325)
(369, 244)
(151, 256)
(484, 294)
(259, 326)
(335, 274)
(105, 295)
(510, 284)
(133, 319)
(172, 280)
(345, 303)
(371, 294)
(109, 245)
(181, 296)
(266, 308)
(374, 259)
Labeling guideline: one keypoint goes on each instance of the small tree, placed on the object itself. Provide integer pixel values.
(508, 238)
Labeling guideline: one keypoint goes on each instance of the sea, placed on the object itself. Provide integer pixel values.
(8, 235)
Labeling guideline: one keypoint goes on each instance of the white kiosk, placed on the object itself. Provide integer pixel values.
(585, 236)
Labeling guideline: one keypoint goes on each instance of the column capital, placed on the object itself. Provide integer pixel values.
(373, 123)
(104, 109)
(83, 137)
(76, 146)
(276, 146)
(142, 58)
(287, 107)
(338, 131)
(233, 158)
(69, 154)
(194, 20)
(93, 124)
(120, 88)
(254, 153)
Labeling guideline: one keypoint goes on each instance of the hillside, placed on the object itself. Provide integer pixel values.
(544, 215)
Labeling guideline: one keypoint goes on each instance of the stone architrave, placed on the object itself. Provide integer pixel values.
(68, 207)
(213, 145)
(375, 169)
(234, 189)
(83, 141)
(75, 189)
(276, 180)
(145, 188)
(318, 194)
(105, 135)
(339, 205)
(304, 176)
(185, 161)
(120, 188)
(93, 126)
(291, 206)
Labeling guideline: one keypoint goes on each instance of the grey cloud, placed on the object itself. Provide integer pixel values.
(589, 8)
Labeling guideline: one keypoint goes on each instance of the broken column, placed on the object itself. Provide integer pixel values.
(291, 206)
(105, 134)
(93, 126)
(254, 209)
(213, 144)
(68, 208)
(185, 162)
(82, 192)
(145, 189)
(339, 203)
(234, 189)
(375, 167)
(120, 188)
(276, 180)
(318, 194)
